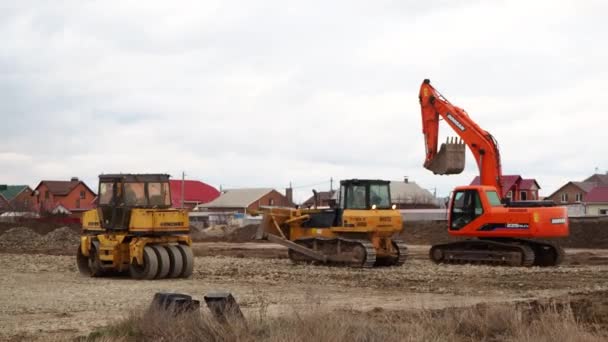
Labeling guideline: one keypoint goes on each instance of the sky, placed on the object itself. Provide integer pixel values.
(272, 93)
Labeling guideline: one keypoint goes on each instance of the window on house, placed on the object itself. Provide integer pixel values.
(579, 197)
(603, 211)
(82, 194)
(564, 197)
(523, 195)
(271, 201)
(510, 194)
(46, 195)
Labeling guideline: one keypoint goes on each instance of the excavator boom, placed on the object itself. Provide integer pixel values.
(450, 157)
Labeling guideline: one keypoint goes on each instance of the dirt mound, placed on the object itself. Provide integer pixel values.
(19, 238)
(243, 234)
(63, 238)
(225, 233)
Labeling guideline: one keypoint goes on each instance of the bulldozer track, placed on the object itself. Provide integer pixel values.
(321, 244)
(402, 250)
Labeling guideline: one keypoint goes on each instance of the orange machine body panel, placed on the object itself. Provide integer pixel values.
(501, 221)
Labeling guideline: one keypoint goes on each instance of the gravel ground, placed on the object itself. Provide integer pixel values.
(43, 297)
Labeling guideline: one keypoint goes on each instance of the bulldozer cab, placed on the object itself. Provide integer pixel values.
(362, 194)
(120, 193)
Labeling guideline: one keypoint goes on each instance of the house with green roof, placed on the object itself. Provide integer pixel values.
(15, 198)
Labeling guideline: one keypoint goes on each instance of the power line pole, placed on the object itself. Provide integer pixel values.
(183, 181)
(331, 184)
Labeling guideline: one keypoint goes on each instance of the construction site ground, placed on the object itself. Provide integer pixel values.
(43, 297)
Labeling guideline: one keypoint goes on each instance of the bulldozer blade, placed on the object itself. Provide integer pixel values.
(449, 160)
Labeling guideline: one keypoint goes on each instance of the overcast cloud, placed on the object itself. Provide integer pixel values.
(264, 93)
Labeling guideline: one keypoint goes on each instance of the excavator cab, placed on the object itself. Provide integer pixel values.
(119, 194)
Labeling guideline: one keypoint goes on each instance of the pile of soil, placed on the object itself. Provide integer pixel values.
(243, 234)
(63, 241)
(587, 233)
(63, 238)
(225, 233)
(20, 239)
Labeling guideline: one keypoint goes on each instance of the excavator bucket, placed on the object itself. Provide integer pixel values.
(450, 158)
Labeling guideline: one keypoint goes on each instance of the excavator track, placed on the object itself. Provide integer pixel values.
(546, 253)
(340, 251)
(486, 252)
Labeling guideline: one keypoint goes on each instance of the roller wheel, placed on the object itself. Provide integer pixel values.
(176, 263)
(96, 270)
(150, 267)
(164, 262)
(188, 260)
(83, 263)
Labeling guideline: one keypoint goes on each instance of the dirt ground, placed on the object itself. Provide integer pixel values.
(43, 297)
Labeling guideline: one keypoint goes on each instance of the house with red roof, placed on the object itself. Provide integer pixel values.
(516, 188)
(195, 193)
(71, 197)
(597, 201)
(588, 196)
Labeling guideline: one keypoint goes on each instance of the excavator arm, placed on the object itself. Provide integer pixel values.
(450, 157)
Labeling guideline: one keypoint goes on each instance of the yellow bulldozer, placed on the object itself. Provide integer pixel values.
(135, 230)
(358, 232)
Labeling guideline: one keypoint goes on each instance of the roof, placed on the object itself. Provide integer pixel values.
(598, 195)
(602, 179)
(62, 188)
(194, 191)
(12, 191)
(410, 192)
(507, 182)
(323, 196)
(526, 184)
(237, 198)
(585, 186)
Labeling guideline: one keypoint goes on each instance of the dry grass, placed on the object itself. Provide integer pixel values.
(482, 323)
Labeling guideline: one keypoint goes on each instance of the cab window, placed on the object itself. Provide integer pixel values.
(493, 198)
(355, 197)
(106, 192)
(466, 206)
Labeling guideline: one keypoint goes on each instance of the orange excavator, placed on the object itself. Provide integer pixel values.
(500, 231)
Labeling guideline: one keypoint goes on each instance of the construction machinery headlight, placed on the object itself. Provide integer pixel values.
(373, 207)
(394, 206)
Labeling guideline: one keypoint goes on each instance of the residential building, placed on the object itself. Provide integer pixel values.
(241, 200)
(15, 198)
(583, 198)
(195, 193)
(572, 193)
(597, 201)
(516, 188)
(63, 197)
(325, 199)
(409, 195)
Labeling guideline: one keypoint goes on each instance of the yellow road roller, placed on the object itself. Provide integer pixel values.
(135, 230)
